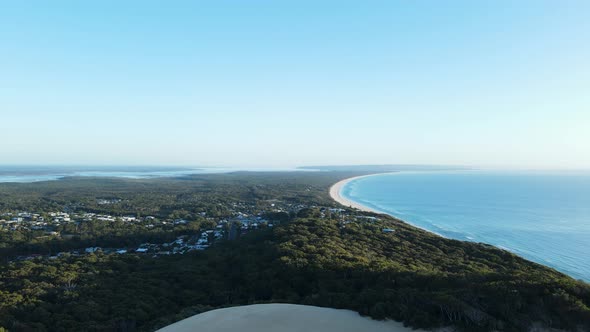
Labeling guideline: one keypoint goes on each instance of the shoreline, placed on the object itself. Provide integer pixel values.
(335, 194)
(336, 189)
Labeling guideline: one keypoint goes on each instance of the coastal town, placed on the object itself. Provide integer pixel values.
(52, 225)
(61, 225)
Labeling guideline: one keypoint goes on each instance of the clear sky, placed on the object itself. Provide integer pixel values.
(284, 83)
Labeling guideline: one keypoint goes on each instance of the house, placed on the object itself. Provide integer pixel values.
(388, 230)
(368, 218)
(91, 250)
(141, 250)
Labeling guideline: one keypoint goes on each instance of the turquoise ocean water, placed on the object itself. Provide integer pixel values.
(544, 217)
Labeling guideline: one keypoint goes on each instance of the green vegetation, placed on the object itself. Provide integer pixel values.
(313, 255)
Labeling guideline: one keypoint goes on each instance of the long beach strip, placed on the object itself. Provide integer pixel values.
(336, 189)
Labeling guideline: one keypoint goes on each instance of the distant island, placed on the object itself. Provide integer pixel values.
(386, 168)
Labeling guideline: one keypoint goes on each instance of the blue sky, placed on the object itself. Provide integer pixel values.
(284, 83)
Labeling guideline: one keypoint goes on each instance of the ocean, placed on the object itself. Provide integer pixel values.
(541, 216)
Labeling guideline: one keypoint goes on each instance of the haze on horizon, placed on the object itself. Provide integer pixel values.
(295, 83)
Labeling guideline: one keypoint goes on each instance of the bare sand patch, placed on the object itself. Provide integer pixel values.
(278, 317)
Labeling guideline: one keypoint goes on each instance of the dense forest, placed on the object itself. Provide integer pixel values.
(314, 255)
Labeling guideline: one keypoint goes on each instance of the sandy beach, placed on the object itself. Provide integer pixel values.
(335, 193)
(284, 318)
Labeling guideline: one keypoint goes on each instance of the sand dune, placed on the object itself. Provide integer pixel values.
(282, 318)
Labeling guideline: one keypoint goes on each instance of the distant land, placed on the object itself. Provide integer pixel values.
(386, 168)
(37, 173)
(70, 169)
(30, 173)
